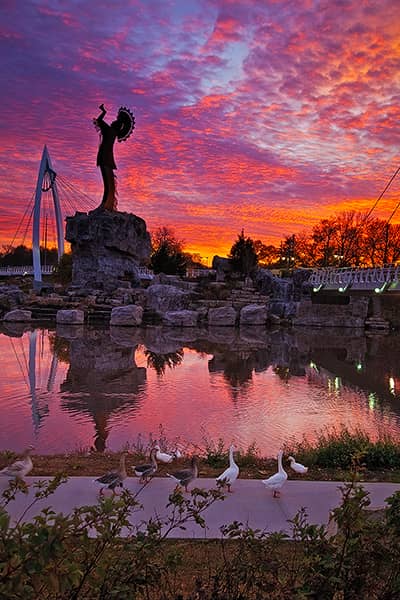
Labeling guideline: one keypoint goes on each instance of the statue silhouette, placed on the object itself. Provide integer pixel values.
(119, 129)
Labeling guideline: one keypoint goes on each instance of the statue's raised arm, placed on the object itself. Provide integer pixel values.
(119, 129)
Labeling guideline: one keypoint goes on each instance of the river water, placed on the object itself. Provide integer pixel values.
(75, 388)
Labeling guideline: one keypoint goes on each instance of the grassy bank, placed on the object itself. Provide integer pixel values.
(334, 455)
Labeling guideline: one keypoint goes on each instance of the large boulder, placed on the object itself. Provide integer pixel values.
(222, 267)
(73, 316)
(181, 318)
(10, 297)
(163, 298)
(127, 316)
(107, 248)
(270, 285)
(18, 315)
(264, 281)
(222, 316)
(254, 314)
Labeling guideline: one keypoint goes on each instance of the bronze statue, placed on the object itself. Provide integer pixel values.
(119, 129)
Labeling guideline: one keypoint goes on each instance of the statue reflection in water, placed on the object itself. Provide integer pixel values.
(103, 381)
(238, 367)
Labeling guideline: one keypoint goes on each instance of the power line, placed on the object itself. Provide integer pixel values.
(381, 194)
(392, 215)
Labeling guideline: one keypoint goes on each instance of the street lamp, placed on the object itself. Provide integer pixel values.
(339, 258)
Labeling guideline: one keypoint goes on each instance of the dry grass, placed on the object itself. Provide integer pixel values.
(197, 562)
(94, 464)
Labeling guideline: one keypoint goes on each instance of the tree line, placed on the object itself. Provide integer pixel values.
(21, 255)
(347, 239)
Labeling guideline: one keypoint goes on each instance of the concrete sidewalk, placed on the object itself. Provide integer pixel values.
(251, 503)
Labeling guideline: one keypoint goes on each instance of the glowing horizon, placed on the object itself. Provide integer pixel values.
(265, 116)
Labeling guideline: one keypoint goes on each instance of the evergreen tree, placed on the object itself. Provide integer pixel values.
(243, 255)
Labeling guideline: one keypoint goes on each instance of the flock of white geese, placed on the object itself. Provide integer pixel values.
(183, 477)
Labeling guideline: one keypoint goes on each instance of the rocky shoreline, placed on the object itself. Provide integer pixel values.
(184, 302)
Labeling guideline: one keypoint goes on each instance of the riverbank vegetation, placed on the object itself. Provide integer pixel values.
(97, 553)
(333, 455)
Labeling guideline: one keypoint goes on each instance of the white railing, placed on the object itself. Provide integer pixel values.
(196, 273)
(145, 273)
(25, 270)
(356, 278)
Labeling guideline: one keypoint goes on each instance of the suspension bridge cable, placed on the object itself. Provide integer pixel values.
(28, 225)
(66, 197)
(67, 203)
(54, 231)
(19, 363)
(24, 354)
(21, 221)
(76, 192)
(386, 188)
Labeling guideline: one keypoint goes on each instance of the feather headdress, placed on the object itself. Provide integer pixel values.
(127, 120)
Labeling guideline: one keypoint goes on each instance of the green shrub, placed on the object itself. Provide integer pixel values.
(249, 458)
(216, 453)
(346, 449)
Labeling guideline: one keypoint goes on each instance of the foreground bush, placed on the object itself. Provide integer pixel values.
(95, 552)
(83, 555)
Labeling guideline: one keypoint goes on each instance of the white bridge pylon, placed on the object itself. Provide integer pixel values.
(45, 169)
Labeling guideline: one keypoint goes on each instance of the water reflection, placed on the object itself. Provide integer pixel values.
(242, 384)
(30, 365)
(160, 362)
(102, 379)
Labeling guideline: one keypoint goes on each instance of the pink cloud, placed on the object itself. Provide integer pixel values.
(258, 115)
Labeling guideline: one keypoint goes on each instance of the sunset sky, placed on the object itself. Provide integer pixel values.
(266, 115)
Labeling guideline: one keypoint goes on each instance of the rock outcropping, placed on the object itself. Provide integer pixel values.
(107, 248)
(10, 297)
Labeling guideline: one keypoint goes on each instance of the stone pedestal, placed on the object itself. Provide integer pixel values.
(107, 248)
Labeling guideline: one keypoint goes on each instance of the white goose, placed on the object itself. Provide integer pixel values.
(229, 476)
(163, 457)
(177, 453)
(297, 467)
(275, 482)
(19, 468)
